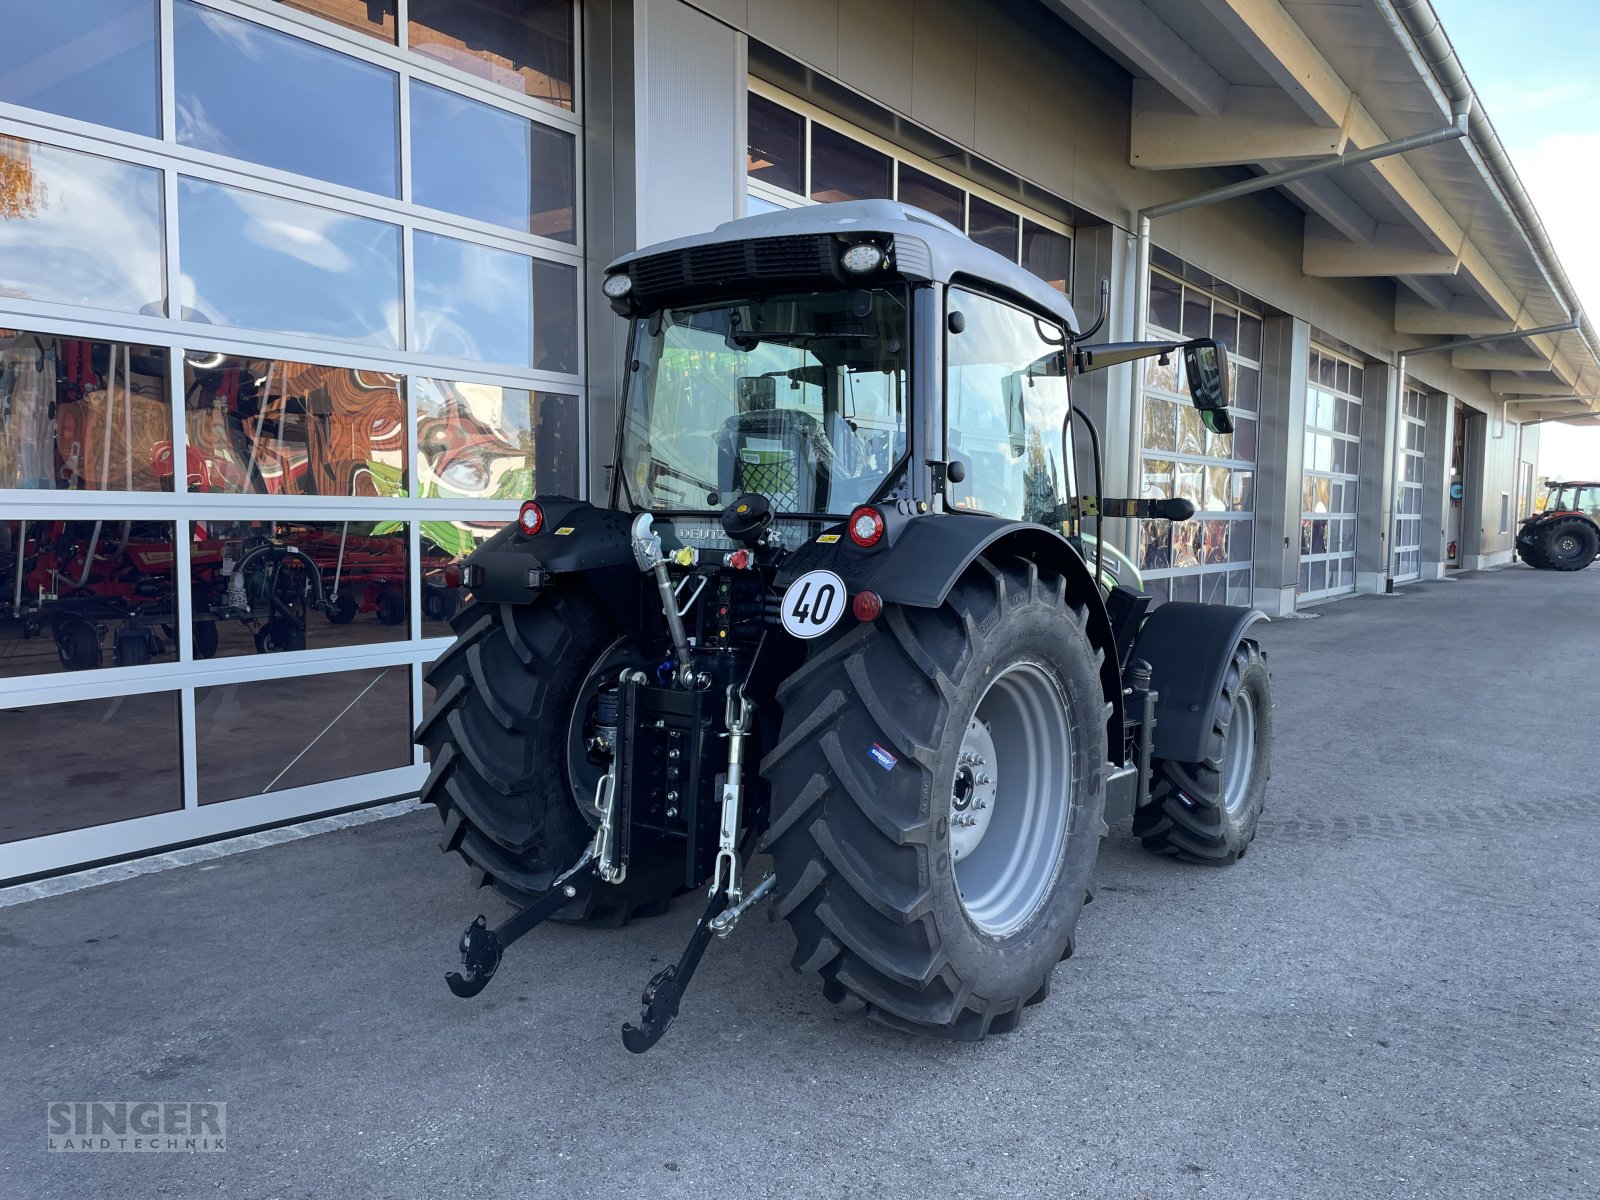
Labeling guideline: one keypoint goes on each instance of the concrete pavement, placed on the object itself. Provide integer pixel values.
(1394, 994)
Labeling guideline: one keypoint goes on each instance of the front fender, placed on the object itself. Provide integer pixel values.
(1189, 647)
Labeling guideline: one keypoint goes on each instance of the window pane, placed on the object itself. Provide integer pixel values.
(555, 312)
(82, 414)
(93, 594)
(1047, 254)
(555, 188)
(292, 429)
(89, 763)
(522, 45)
(337, 121)
(992, 226)
(755, 205)
(776, 150)
(364, 16)
(91, 60)
(476, 160)
(79, 229)
(933, 195)
(479, 441)
(275, 734)
(1166, 302)
(1250, 337)
(262, 263)
(1005, 418)
(843, 169)
(473, 301)
(269, 587)
(1196, 314)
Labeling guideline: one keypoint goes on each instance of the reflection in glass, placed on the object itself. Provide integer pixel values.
(472, 301)
(87, 763)
(292, 429)
(776, 145)
(482, 162)
(843, 169)
(376, 17)
(266, 587)
(79, 229)
(443, 543)
(82, 414)
(992, 226)
(91, 60)
(480, 441)
(330, 116)
(275, 734)
(933, 195)
(522, 45)
(263, 263)
(76, 595)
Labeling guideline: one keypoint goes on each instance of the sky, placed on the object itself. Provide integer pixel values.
(1533, 65)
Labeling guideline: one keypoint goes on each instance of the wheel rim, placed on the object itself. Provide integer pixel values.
(1566, 546)
(1239, 755)
(1010, 798)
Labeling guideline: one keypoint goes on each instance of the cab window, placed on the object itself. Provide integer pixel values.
(1007, 410)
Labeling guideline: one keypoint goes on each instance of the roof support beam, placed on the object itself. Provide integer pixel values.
(1394, 250)
(1256, 125)
(1483, 358)
(1441, 311)
(1149, 43)
(1505, 383)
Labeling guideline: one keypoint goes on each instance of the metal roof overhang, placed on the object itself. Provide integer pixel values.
(1268, 84)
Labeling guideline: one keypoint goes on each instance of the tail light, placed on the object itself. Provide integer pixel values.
(866, 526)
(531, 519)
(866, 606)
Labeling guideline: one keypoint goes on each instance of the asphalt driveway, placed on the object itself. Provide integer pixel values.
(1394, 994)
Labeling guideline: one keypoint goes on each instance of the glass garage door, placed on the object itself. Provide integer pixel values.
(1206, 559)
(1331, 476)
(271, 357)
(1408, 489)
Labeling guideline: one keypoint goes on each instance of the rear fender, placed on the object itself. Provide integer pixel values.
(930, 553)
(1189, 648)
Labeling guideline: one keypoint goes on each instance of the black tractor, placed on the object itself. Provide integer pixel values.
(839, 607)
(1565, 534)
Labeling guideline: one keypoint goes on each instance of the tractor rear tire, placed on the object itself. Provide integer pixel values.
(875, 764)
(507, 776)
(1207, 812)
(1570, 545)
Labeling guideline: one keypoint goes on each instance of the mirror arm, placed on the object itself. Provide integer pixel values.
(1101, 312)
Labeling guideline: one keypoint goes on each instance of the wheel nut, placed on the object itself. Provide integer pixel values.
(569, 891)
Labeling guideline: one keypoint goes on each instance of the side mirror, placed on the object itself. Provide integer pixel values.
(1205, 361)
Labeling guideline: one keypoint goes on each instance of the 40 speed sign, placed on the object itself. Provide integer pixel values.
(813, 604)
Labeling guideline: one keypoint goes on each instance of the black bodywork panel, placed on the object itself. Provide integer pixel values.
(1189, 647)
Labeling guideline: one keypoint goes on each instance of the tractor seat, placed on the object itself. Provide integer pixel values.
(780, 453)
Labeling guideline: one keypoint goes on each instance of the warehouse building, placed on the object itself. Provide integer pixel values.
(307, 291)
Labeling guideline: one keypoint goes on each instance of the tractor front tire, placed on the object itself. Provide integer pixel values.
(509, 770)
(1207, 812)
(903, 893)
(1570, 545)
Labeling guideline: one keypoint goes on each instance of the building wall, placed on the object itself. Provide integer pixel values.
(1021, 91)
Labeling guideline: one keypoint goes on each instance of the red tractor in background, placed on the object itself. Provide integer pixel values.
(1565, 534)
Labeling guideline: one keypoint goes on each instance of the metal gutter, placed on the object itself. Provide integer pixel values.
(1420, 27)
